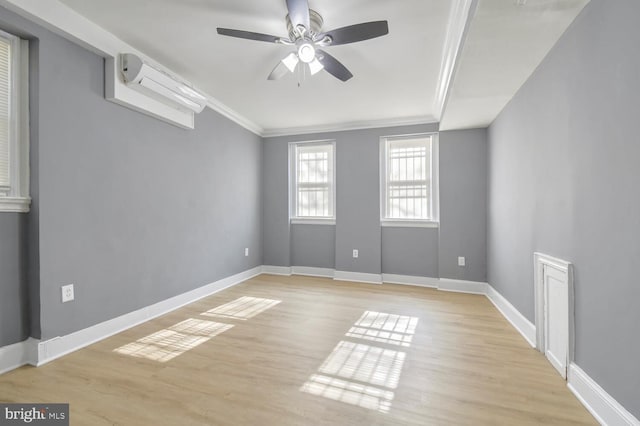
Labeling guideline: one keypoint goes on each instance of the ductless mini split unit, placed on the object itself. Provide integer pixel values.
(146, 78)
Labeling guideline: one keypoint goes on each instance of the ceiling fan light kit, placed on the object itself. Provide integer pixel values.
(305, 34)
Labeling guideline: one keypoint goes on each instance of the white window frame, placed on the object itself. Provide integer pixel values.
(293, 189)
(15, 197)
(433, 221)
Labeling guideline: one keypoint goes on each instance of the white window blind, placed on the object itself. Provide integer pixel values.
(313, 189)
(408, 178)
(5, 108)
(14, 124)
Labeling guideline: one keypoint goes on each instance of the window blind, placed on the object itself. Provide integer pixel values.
(408, 179)
(5, 108)
(314, 180)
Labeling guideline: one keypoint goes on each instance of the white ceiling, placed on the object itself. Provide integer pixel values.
(396, 77)
(504, 44)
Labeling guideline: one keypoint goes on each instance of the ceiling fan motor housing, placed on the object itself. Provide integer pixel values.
(316, 26)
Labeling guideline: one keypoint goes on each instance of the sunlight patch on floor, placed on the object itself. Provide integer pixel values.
(165, 345)
(366, 374)
(242, 308)
(349, 392)
(385, 328)
(363, 363)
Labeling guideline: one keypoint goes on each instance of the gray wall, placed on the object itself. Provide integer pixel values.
(14, 303)
(564, 180)
(410, 251)
(405, 251)
(128, 208)
(463, 204)
(320, 254)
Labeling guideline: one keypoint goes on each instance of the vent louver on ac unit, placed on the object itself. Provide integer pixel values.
(154, 82)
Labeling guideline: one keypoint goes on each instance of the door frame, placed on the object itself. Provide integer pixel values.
(540, 260)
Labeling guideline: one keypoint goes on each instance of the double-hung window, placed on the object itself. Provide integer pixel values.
(312, 182)
(409, 180)
(14, 148)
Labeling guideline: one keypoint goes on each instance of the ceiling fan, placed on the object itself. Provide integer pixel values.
(306, 36)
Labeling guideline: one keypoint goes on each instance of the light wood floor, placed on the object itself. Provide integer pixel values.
(304, 351)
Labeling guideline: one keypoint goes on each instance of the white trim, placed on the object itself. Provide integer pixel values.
(15, 355)
(315, 221)
(66, 22)
(276, 270)
(605, 409)
(31, 351)
(539, 261)
(359, 277)
(293, 184)
(462, 286)
(14, 198)
(234, 116)
(398, 223)
(600, 404)
(434, 199)
(59, 346)
(312, 271)
(517, 320)
(14, 205)
(462, 12)
(411, 280)
(354, 125)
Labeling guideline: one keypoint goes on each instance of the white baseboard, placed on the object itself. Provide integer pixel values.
(62, 345)
(600, 404)
(461, 286)
(312, 271)
(31, 351)
(360, 277)
(411, 280)
(517, 320)
(16, 355)
(276, 270)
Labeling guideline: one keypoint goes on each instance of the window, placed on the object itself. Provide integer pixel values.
(312, 193)
(409, 180)
(14, 155)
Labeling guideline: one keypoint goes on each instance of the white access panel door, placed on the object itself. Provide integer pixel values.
(556, 317)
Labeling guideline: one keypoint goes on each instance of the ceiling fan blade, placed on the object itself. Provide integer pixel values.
(248, 35)
(358, 32)
(299, 13)
(333, 66)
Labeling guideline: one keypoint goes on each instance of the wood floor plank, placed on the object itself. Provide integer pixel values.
(297, 350)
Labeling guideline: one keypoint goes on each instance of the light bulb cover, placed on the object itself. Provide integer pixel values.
(306, 52)
(315, 66)
(291, 61)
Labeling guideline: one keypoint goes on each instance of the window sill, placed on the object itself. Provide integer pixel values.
(310, 221)
(14, 205)
(392, 223)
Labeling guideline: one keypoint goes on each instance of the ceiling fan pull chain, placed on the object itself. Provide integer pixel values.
(301, 73)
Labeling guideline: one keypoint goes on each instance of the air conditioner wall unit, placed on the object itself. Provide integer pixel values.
(154, 82)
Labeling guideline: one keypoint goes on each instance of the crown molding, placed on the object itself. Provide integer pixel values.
(62, 20)
(69, 24)
(234, 116)
(462, 12)
(353, 125)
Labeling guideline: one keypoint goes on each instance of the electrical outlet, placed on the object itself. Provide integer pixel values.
(67, 293)
(355, 253)
(246, 251)
(461, 261)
